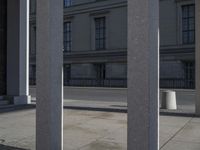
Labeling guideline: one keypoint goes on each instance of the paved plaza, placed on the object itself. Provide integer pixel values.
(96, 130)
(115, 99)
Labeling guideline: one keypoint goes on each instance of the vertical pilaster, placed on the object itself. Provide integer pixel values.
(197, 55)
(18, 50)
(143, 76)
(49, 56)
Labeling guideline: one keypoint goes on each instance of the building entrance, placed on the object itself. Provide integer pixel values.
(3, 42)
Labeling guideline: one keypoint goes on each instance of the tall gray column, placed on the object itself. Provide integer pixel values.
(18, 51)
(49, 90)
(143, 76)
(197, 54)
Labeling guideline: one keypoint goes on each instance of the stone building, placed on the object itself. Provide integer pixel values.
(177, 28)
(95, 43)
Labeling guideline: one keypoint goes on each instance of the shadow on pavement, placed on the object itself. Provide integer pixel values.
(4, 147)
(13, 108)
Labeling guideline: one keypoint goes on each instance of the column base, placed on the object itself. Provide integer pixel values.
(21, 100)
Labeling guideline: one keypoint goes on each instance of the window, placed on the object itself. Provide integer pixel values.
(67, 37)
(189, 74)
(100, 71)
(67, 3)
(189, 70)
(33, 40)
(188, 24)
(100, 33)
(32, 75)
(67, 74)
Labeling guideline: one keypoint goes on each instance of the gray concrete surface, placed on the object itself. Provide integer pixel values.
(91, 94)
(143, 74)
(197, 55)
(49, 55)
(17, 77)
(93, 130)
(116, 98)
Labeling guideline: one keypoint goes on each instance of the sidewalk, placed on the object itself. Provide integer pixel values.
(115, 100)
(96, 130)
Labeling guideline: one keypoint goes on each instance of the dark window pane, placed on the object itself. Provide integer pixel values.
(191, 11)
(185, 24)
(185, 37)
(100, 37)
(191, 36)
(184, 12)
(67, 3)
(67, 36)
(188, 24)
(191, 24)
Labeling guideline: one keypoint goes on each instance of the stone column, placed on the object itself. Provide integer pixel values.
(49, 90)
(143, 74)
(18, 51)
(197, 54)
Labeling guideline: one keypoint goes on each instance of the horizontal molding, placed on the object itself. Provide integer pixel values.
(120, 55)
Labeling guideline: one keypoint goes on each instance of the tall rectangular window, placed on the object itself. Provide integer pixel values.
(67, 74)
(32, 75)
(67, 3)
(67, 37)
(100, 33)
(33, 40)
(100, 70)
(188, 24)
(189, 74)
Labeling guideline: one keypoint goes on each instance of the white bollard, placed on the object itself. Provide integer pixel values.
(169, 100)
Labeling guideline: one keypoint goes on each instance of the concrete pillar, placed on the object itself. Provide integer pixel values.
(18, 51)
(49, 90)
(197, 54)
(143, 76)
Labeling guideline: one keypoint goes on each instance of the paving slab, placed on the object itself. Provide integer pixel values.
(96, 130)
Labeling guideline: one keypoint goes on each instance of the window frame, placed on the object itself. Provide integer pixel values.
(67, 3)
(67, 36)
(100, 33)
(188, 18)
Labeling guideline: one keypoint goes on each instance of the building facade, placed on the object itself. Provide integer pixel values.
(95, 43)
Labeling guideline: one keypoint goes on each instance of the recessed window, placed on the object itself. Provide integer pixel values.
(67, 37)
(100, 33)
(189, 74)
(33, 40)
(188, 24)
(100, 70)
(67, 3)
(32, 75)
(67, 74)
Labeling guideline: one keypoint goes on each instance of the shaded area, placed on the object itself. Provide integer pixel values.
(14, 108)
(5, 147)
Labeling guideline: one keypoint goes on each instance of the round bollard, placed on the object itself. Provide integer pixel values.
(169, 100)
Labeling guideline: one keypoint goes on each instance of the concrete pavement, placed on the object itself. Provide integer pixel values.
(94, 130)
(116, 99)
(99, 130)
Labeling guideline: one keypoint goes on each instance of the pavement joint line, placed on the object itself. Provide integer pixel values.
(176, 134)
